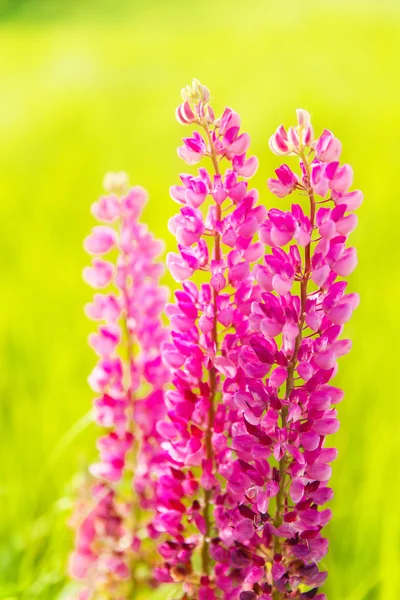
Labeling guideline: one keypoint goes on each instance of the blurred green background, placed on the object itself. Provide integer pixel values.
(91, 86)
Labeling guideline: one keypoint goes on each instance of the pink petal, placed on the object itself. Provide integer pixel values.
(305, 370)
(319, 471)
(326, 426)
(309, 440)
(244, 443)
(340, 314)
(278, 570)
(281, 238)
(327, 229)
(105, 341)
(194, 199)
(100, 274)
(101, 240)
(278, 142)
(184, 114)
(270, 327)
(326, 360)
(177, 193)
(342, 347)
(103, 307)
(321, 400)
(189, 156)
(314, 320)
(278, 376)
(342, 179)
(225, 366)
(278, 188)
(322, 495)
(281, 286)
(177, 267)
(346, 264)
(254, 252)
(347, 224)
(296, 490)
(106, 208)
(303, 117)
(249, 168)
(328, 148)
(244, 530)
(353, 200)
(262, 502)
(241, 145)
(239, 272)
(320, 275)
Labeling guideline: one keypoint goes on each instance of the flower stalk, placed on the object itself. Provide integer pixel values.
(205, 553)
(198, 340)
(110, 524)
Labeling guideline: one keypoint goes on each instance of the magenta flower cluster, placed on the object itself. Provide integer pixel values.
(216, 429)
(128, 379)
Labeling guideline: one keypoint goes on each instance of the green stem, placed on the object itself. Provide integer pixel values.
(135, 509)
(284, 462)
(205, 554)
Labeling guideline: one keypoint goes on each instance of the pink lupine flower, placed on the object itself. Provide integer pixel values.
(288, 403)
(296, 139)
(99, 274)
(328, 148)
(286, 182)
(108, 525)
(193, 149)
(101, 240)
(209, 323)
(188, 226)
(104, 306)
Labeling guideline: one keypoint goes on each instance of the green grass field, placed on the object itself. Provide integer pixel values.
(92, 87)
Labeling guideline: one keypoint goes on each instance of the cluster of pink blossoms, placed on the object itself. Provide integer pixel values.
(232, 459)
(288, 406)
(129, 379)
(209, 324)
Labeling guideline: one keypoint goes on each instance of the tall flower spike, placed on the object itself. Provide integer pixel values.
(289, 404)
(128, 380)
(209, 323)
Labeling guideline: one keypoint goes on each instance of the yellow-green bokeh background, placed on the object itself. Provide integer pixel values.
(91, 86)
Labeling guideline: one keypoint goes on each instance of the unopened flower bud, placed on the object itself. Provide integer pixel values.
(195, 93)
(116, 183)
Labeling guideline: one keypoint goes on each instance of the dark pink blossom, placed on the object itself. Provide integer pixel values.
(288, 403)
(286, 182)
(328, 148)
(209, 322)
